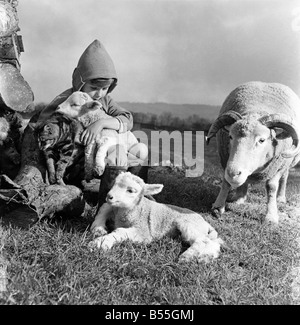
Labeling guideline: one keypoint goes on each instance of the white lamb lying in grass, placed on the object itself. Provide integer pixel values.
(82, 107)
(142, 220)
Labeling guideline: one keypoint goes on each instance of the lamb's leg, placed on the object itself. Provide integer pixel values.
(272, 211)
(121, 234)
(89, 161)
(203, 238)
(98, 227)
(101, 152)
(281, 197)
(203, 249)
(221, 199)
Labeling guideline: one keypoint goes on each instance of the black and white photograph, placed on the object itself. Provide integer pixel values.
(150, 155)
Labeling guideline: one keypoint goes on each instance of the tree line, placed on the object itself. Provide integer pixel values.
(167, 120)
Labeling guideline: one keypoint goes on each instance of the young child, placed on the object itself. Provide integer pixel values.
(95, 74)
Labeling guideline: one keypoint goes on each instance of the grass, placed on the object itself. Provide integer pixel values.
(50, 263)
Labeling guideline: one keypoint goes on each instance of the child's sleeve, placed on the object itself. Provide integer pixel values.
(121, 114)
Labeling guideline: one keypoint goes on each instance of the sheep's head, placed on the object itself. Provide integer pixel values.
(78, 104)
(128, 189)
(252, 142)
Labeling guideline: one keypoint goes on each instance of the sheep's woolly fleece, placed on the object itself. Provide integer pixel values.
(262, 97)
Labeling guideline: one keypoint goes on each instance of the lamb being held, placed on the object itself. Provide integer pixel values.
(142, 220)
(82, 107)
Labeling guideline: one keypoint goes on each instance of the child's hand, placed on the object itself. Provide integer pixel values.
(90, 133)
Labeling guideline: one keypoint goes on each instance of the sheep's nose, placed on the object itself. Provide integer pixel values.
(234, 173)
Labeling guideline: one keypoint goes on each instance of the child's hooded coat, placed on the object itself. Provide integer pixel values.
(94, 63)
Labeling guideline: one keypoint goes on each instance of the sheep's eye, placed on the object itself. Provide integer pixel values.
(261, 140)
(230, 137)
(130, 190)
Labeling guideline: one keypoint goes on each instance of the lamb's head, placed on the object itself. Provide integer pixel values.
(128, 190)
(252, 142)
(78, 104)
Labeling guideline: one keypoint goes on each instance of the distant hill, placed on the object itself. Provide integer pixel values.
(208, 112)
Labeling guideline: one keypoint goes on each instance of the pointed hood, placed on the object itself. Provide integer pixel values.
(94, 63)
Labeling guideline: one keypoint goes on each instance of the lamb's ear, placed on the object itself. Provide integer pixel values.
(93, 104)
(152, 189)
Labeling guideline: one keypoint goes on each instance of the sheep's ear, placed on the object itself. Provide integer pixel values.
(151, 189)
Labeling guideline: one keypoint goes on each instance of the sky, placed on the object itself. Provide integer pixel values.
(173, 51)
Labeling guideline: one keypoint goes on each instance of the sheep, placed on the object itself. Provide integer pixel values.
(257, 134)
(142, 220)
(81, 106)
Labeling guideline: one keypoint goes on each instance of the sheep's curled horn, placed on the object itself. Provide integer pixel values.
(271, 121)
(284, 122)
(227, 118)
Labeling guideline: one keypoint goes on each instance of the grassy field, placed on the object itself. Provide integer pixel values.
(51, 264)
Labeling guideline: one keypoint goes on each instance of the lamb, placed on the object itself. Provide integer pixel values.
(257, 134)
(142, 220)
(81, 106)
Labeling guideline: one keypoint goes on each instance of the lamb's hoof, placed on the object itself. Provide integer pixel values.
(272, 219)
(99, 243)
(281, 199)
(93, 246)
(205, 258)
(98, 231)
(239, 200)
(99, 170)
(217, 211)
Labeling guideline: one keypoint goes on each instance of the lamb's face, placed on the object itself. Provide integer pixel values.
(126, 192)
(78, 104)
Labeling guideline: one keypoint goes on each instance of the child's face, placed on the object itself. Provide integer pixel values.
(95, 91)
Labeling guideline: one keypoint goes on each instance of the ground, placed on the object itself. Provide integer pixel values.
(51, 264)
